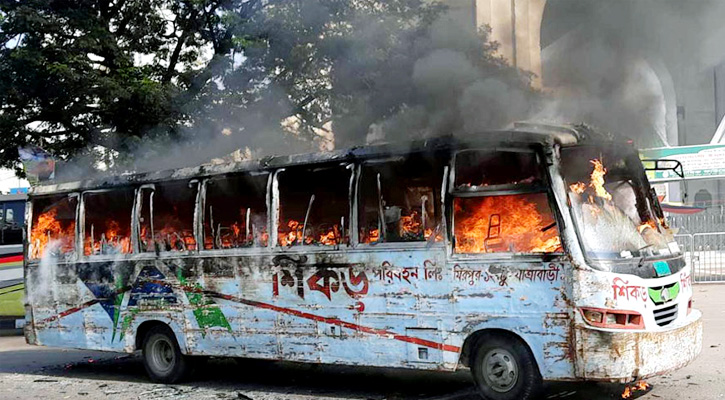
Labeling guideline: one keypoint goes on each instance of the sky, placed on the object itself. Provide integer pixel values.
(9, 180)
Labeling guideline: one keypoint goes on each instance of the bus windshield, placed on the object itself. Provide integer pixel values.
(613, 211)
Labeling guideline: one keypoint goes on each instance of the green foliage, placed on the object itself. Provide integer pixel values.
(80, 73)
(138, 75)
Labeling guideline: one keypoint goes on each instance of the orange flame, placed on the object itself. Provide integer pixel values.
(175, 239)
(597, 184)
(235, 235)
(120, 241)
(410, 226)
(46, 228)
(597, 180)
(578, 187)
(646, 225)
(502, 223)
(639, 386)
(172, 236)
(292, 235)
(372, 237)
(550, 245)
(330, 238)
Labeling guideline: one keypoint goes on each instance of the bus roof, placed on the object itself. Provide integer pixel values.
(13, 197)
(523, 134)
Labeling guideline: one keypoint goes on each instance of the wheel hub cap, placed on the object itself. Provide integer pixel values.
(500, 370)
(162, 355)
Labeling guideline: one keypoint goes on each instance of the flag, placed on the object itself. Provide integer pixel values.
(37, 163)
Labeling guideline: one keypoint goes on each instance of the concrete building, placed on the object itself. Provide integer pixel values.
(654, 70)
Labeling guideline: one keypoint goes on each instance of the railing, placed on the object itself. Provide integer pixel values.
(712, 220)
(705, 254)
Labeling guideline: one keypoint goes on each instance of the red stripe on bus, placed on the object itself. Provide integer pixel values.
(11, 259)
(82, 306)
(70, 311)
(328, 320)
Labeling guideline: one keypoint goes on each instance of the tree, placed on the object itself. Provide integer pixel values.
(110, 73)
(135, 76)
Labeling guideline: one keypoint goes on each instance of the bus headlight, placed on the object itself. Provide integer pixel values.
(612, 319)
(593, 316)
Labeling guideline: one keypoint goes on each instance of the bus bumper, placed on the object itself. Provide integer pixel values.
(621, 356)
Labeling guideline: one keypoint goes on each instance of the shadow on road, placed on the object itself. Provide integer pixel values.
(278, 377)
(11, 332)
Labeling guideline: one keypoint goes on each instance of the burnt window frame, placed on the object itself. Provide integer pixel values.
(629, 155)
(201, 215)
(440, 206)
(81, 225)
(29, 213)
(542, 186)
(275, 201)
(196, 222)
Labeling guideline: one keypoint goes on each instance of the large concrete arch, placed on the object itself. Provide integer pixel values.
(670, 96)
(568, 51)
(515, 26)
(519, 26)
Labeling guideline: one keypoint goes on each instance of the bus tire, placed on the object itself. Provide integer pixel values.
(504, 369)
(162, 356)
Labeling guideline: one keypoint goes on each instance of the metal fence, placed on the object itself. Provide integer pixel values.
(705, 254)
(709, 221)
(702, 240)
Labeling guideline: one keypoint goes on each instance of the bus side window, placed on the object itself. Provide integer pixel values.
(166, 217)
(107, 227)
(500, 204)
(516, 223)
(235, 212)
(479, 169)
(314, 206)
(399, 200)
(53, 226)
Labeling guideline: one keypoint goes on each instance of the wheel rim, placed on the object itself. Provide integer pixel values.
(500, 370)
(162, 355)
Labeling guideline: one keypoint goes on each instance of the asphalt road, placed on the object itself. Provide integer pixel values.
(36, 372)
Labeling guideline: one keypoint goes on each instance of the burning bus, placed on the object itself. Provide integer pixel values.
(536, 253)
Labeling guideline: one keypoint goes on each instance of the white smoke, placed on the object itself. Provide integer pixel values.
(42, 281)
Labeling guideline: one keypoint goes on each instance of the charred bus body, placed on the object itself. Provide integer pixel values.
(542, 255)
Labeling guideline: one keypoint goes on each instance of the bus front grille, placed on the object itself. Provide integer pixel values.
(665, 316)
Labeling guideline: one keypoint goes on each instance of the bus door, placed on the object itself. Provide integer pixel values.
(507, 248)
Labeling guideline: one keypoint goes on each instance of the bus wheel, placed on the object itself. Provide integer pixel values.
(162, 356)
(505, 369)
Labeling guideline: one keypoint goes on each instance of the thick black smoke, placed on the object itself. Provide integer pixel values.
(382, 77)
(385, 78)
(610, 63)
